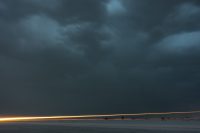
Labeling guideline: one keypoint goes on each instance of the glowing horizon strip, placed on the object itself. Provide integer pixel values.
(40, 118)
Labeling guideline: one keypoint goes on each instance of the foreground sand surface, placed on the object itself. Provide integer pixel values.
(92, 126)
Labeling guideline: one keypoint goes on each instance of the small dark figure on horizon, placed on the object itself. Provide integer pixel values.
(106, 118)
(162, 118)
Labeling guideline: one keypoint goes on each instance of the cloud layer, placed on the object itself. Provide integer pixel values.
(99, 56)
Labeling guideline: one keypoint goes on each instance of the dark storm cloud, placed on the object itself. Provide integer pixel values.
(92, 56)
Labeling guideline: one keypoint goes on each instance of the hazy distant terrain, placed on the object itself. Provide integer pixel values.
(148, 126)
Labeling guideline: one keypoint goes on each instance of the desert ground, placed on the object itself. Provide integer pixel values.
(102, 126)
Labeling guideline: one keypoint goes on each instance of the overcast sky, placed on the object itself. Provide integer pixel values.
(99, 56)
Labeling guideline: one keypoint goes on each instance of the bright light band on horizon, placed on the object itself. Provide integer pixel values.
(78, 117)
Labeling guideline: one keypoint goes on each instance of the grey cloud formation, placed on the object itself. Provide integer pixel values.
(92, 56)
(183, 43)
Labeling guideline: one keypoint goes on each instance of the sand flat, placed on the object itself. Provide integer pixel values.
(83, 126)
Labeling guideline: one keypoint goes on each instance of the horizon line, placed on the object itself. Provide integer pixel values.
(65, 117)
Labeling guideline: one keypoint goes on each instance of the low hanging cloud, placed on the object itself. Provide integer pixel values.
(183, 43)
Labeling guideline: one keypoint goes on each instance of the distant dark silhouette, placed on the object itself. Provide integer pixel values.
(106, 118)
(162, 118)
(122, 117)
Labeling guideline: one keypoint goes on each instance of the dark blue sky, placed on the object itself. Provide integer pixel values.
(99, 56)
